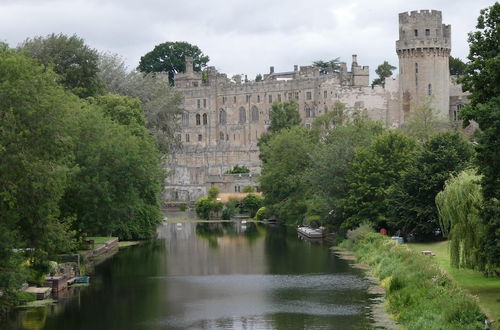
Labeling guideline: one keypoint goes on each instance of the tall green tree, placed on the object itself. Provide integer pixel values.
(424, 123)
(331, 163)
(115, 188)
(383, 71)
(160, 102)
(457, 66)
(283, 115)
(482, 80)
(459, 206)
(375, 171)
(282, 180)
(326, 67)
(71, 58)
(412, 206)
(35, 149)
(170, 57)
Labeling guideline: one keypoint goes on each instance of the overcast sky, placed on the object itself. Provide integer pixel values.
(240, 36)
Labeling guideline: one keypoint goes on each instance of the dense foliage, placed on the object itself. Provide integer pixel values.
(238, 170)
(482, 80)
(170, 57)
(413, 210)
(70, 166)
(161, 104)
(383, 71)
(459, 205)
(70, 58)
(374, 172)
(283, 173)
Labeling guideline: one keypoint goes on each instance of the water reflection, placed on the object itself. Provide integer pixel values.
(215, 275)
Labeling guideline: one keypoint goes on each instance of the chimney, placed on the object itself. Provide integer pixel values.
(354, 60)
(189, 64)
(271, 70)
(295, 67)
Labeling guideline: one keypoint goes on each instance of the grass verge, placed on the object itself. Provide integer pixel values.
(419, 293)
(487, 289)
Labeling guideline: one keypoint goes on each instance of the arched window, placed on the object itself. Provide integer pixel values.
(243, 115)
(255, 114)
(185, 119)
(198, 119)
(205, 119)
(221, 136)
(429, 90)
(416, 67)
(222, 116)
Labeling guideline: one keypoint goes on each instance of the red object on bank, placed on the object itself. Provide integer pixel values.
(383, 231)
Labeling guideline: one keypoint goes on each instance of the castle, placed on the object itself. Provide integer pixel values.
(223, 119)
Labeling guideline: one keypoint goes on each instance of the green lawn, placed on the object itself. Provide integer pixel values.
(100, 239)
(485, 288)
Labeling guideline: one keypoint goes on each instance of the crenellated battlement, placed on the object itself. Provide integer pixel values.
(423, 29)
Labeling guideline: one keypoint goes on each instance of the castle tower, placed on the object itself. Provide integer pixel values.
(423, 49)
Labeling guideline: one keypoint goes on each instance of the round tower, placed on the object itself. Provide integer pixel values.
(423, 49)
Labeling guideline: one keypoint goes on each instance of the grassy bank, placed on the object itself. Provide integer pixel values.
(419, 293)
(487, 289)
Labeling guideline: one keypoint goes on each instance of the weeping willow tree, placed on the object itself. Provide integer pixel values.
(459, 205)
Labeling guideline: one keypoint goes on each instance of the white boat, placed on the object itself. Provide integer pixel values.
(311, 232)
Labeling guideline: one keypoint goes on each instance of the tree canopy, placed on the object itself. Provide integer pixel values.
(161, 104)
(71, 58)
(326, 67)
(383, 71)
(413, 210)
(457, 66)
(482, 80)
(170, 57)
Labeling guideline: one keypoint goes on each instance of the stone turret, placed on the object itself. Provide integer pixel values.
(423, 49)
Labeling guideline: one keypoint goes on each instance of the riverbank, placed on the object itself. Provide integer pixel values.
(487, 289)
(419, 293)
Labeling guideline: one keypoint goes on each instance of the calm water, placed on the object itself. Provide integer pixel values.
(215, 275)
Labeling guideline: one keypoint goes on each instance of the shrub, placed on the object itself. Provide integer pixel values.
(183, 208)
(248, 189)
(213, 192)
(262, 213)
(252, 203)
(238, 169)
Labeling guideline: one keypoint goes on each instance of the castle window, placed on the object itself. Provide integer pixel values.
(296, 95)
(248, 98)
(416, 67)
(325, 94)
(308, 125)
(222, 116)
(255, 114)
(198, 119)
(279, 97)
(187, 137)
(195, 84)
(427, 32)
(221, 136)
(234, 99)
(185, 119)
(258, 98)
(308, 95)
(416, 32)
(224, 99)
(200, 137)
(237, 189)
(198, 103)
(204, 103)
(205, 119)
(289, 96)
(243, 115)
(270, 99)
(429, 89)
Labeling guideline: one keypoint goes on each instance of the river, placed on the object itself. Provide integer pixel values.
(215, 276)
